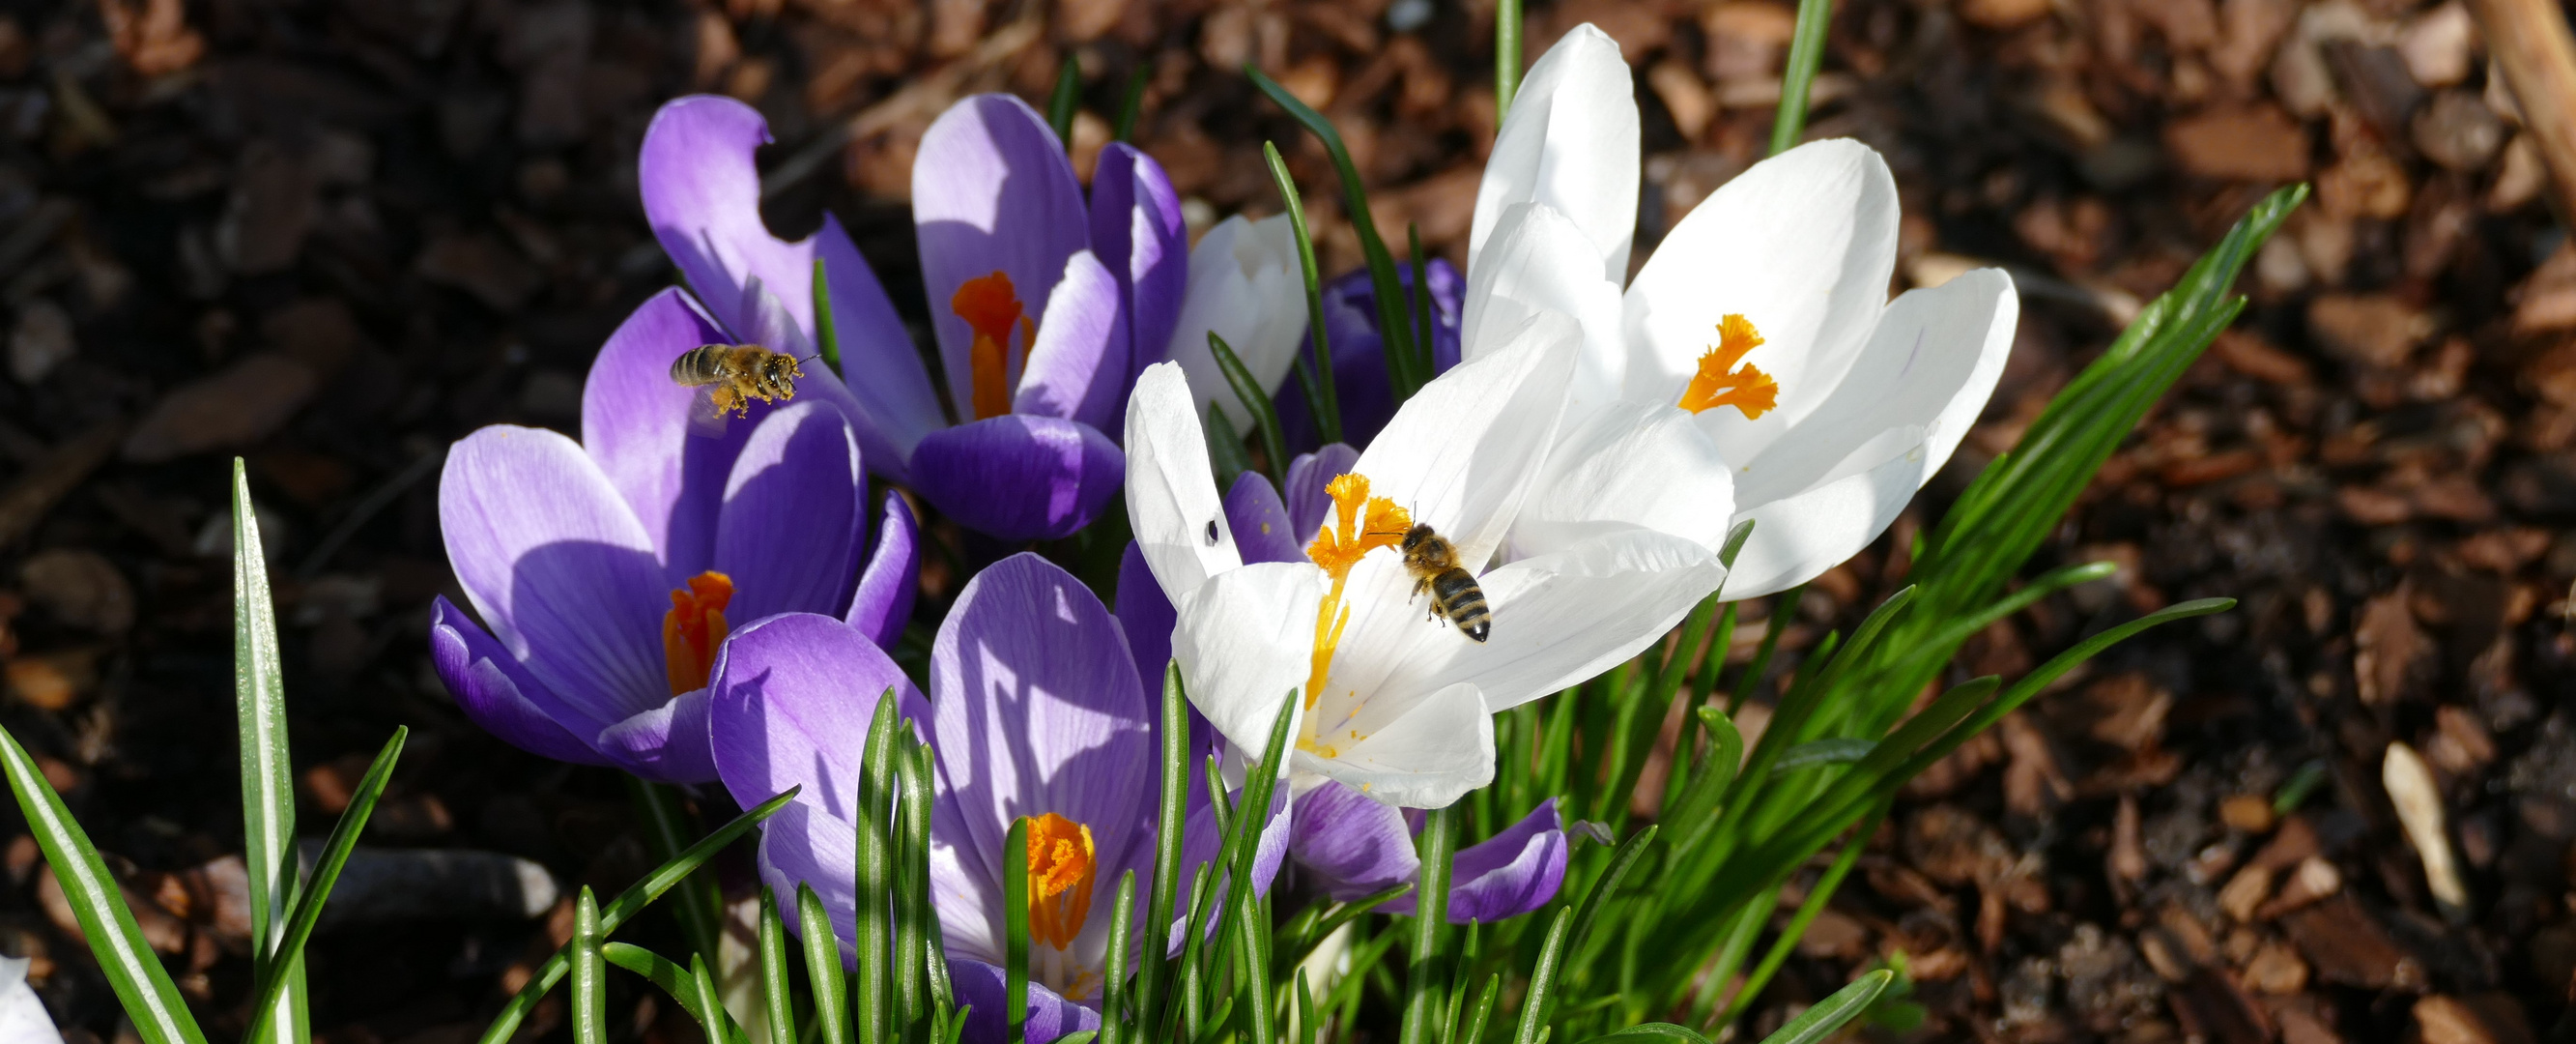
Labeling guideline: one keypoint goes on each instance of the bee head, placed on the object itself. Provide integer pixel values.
(1417, 536)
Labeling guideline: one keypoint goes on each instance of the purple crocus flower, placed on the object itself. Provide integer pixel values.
(1044, 307)
(606, 569)
(1035, 709)
(1344, 841)
(1348, 845)
(1359, 354)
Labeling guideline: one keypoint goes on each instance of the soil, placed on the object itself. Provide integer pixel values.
(332, 236)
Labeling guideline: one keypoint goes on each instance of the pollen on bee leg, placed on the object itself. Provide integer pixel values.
(991, 308)
(693, 629)
(1720, 382)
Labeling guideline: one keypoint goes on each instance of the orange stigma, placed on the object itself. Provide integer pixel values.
(1360, 524)
(991, 308)
(1061, 868)
(693, 629)
(1721, 383)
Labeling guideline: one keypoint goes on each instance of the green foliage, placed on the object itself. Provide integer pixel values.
(268, 785)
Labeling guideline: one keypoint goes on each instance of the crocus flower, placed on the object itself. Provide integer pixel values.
(1043, 306)
(23, 1019)
(1035, 710)
(1395, 704)
(1367, 398)
(606, 569)
(1754, 369)
(1244, 287)
(1343, 843)
(1348, 846)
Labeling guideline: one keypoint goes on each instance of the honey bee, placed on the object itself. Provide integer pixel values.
(1454, 594)
(729, 376)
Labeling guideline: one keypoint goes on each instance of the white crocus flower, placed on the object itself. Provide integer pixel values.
(23, 1019)
(1396, 703)
(1755, 369)
(1245, 287)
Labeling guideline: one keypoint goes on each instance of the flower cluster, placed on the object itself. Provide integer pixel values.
(718, 602)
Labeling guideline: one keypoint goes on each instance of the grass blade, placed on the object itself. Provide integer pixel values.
(823, 966)
(1507, 60)
(1265, 420)
(1225, 448)
(1425, 977)
(268, 785)
(914, 921)
(317, 890)
(692, 987)
(778, 1003)
(1015, 931)
(872, 979)
(1542, 980)
(1323, 396)
(1122, 915)
(1798, 77)
(143, 987)
(1169, 820)
(589, 973)
(627, 904)
(666, 828)
(827, 334)
(1132, 104)
(1067, 98)
(1846, 1004)
(711, 1013)
(1394, 331)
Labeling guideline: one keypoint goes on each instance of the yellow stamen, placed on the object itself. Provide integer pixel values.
(1360, 524)
(693, 629)
(991, 308)
(1061, 868)
(1721, 383)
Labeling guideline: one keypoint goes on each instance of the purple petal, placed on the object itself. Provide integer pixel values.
(1359, 354)
(1349, 844)
(986, 987)
(499, 695)
(1507, 875)
(791, 700)
(795, 515)
(1308, 474)
(801, 844)
(701, 191)
(1036, 709)
(883, 601)
(635, 423)
(1147, 615)
(1260, 523)
(1137, 230)
(558, 566)
(667, 743)
(1019, 478)
(1077, 369)
(991, 192)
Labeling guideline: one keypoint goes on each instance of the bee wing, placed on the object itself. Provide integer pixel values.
(706, 418)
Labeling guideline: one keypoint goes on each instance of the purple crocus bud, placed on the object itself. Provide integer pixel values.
(605, 571)
(1351, 846)
(1308, 474)
(1035, 710)
(1359, 353)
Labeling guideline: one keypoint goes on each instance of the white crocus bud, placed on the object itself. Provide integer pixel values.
(1245, 287)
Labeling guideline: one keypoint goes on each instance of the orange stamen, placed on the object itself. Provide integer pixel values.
(991, 308)
(1721, 383)
(1061, 868)
(1360, 524)
(693, 629)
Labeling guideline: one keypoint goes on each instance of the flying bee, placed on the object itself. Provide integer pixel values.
(729, 376)
(1454, 594)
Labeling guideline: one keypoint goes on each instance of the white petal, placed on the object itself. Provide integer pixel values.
(1930, 365)
(1539, 260)
(1172, 503)
(1440, 748)
(1245, 641)
(23, 1019)
(1570, 142)
(1244, 286)
(1797, 538)
(1564, 617)
(1460, 453)
(1803, 244)
(1627, 465)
